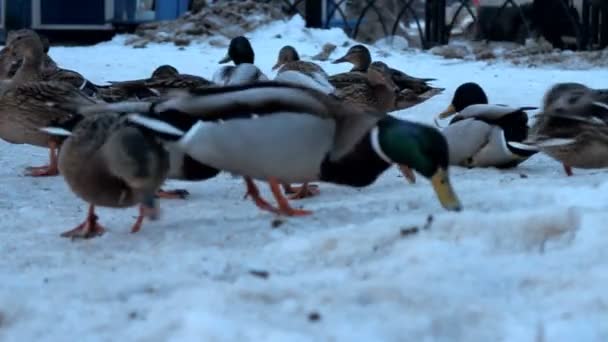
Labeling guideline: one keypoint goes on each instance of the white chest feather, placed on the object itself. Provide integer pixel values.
(287, 146)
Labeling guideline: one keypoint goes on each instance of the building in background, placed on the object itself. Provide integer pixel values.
(77, 17)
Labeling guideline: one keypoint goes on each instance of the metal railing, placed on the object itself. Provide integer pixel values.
(590, 27)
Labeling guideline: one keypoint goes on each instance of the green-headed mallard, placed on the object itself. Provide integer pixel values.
(297, 135)
(27, 104)
(480, 134)
(412, 90)
(244, 71)
(573, 126)
(108, 162)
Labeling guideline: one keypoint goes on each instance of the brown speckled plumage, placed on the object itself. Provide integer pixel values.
(108, 162)
(573, 112)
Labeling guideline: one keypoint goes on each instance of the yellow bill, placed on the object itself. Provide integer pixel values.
(446, 113)
(226, 59)
(444, 191)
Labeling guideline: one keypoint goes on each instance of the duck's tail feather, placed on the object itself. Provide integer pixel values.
(523, 146)
(63, 128)
(118, 107)
(56, 131)
(157, 126)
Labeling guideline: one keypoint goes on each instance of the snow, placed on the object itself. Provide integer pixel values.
(525, 261)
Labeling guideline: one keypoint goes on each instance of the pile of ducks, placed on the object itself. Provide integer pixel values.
(116, 144)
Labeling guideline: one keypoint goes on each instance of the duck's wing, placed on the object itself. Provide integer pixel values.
(405, 81)
(265, 98)
(466, 138)
(347, 78)
(51, 94)
(314, 81)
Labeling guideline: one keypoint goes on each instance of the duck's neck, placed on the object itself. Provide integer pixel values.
(385, 96)
(361, 63)
(30, 69)
(402, 143)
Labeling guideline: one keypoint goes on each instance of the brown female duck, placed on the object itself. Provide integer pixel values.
(108, 162)
(412, 90)
(572, 127)
(163, 80)
(27, 104)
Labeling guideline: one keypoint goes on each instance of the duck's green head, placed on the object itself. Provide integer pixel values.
(420, 147)
(287, 54)
(239, 51)
(466, 94)
(358, 56)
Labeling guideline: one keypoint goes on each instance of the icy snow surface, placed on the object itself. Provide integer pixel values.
(525, 261)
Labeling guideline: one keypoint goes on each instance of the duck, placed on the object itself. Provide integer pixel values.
(291, 69)
(49, 71)
(480, 135)
(332, 140)
(412, 90)
(244, 71)
(377, 93)
(16, 35)
(107, 162)
(163, 80)
(571, 127)
(27, 104)
(289, 60)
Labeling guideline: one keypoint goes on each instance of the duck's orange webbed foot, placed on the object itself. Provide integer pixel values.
(88, 229)
(48, 170)
(304, 191)
(254, 192)
(144, 211)
(284, 207)
(173, 194)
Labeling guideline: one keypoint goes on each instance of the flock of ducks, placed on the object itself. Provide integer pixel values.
(116, 144)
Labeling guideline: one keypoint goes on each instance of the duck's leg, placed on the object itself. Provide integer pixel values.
(88, 229)
(148, 209)
(284, 207)
(173, 194)
(254, 192)
(304, 191)
(408, 173)
(568, 170)
(49, 170)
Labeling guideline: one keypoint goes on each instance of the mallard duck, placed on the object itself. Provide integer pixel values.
(480, 134)
(376, 94)
(15, 35)
(412, 90)
(244, 70)
(289, 59)
(27, 104)
(163, 80)
(319, 130)
(49, 71)
(181, 166)
(572, 127)
(108, 162)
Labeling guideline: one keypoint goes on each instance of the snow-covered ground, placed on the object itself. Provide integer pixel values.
(527, 260)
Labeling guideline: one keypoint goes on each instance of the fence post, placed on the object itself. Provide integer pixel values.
(435, 30)
(314, 13)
